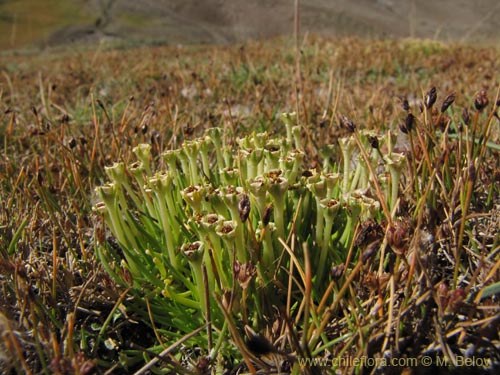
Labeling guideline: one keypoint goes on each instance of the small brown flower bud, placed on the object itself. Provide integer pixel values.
(244, 207)
(373, 142)
(337, 272)
(347, 122)
(481, 100)
(72, 143)
(409, 122)
(430, 98)
(267, 215)
(447, 102)
(405, 104)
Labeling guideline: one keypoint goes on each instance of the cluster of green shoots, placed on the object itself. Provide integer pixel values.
(208, 232)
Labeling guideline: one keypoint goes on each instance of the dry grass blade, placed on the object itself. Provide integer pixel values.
(167, 351)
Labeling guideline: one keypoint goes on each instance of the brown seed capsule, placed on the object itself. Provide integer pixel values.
(65, 118)
(346, 122)
(409, 122)
(337, 272)
(373, 142)
(267, 215)
(481, 100)
(430, 98)
(447, 102)
(244, 207)
(405, 104)
(72, 143)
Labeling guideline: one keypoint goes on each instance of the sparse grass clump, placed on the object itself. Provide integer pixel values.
(228, 234)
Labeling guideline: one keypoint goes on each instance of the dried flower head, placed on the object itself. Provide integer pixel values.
(397, 236)
(244, 272)
(369, 231)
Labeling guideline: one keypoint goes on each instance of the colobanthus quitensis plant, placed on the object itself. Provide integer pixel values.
(190, 220)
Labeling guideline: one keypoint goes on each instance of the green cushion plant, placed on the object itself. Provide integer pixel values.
(194, 222)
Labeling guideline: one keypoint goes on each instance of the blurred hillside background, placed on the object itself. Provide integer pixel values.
(28, 23)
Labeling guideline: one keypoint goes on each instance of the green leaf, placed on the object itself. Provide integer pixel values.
(490, 290)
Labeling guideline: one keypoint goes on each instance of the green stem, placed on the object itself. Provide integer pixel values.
(324, 247)
(193, 170)
(268, 249)
(241, 251)
(320, 214)
(198, 277)
(278, 218)
(167, 229)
